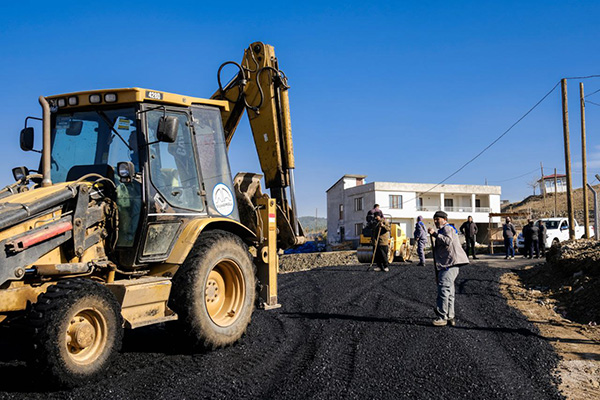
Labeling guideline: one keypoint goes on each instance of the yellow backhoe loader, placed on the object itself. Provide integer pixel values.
(133, 218)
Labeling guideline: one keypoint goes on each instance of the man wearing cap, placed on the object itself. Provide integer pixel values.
(421, 239)
(448, 255)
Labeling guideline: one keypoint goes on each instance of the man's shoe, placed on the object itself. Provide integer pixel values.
(386, 269)
(420, 265)
(377, 269)
(506, 258)
(475, 258)
(512, 257)
(440, 322)
(451, 322)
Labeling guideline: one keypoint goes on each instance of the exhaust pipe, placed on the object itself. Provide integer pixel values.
(46, 181)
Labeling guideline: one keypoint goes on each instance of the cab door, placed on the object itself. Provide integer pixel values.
(174, 192)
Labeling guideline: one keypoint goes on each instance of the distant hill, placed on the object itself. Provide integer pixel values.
(312, 225)
(538, 208)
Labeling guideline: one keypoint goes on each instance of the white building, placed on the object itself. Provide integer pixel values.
(350, 198)
(561, 183)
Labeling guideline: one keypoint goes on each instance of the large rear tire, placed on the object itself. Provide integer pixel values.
(77, 331)
(214, 290)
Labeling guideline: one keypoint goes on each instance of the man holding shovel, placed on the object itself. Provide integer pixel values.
(380, 238)
(448, 255)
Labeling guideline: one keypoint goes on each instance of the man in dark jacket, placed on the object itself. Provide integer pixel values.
(448, 255)
(508, 233)
(542, 235)
(535, 240)
(469, 229)
(372, 214)
(380, 238)
(421, 239)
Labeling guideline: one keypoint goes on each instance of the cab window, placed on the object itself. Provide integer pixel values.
(173, 168)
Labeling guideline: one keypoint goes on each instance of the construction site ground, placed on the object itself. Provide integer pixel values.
(345, 332)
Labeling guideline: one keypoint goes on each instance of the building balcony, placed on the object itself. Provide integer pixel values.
(467, 209)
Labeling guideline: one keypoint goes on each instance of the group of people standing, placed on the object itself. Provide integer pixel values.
(534, 236)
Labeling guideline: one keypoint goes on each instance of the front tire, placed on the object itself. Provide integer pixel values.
(214, 290)
(77, 331)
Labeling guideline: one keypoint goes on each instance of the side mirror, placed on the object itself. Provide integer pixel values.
(20, 173)
(26, 140)
(168, 127)
(74, 128)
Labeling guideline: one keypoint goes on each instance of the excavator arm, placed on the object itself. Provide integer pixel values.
(260, 88)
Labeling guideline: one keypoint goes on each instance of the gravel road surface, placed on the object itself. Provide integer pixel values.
(342, 332)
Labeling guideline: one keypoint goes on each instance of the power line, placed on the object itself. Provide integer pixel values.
(588, 95)
(591, 102)
(497, 139)
(516, 177)
(583, 77)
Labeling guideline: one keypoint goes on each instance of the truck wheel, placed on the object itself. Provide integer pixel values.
(214, 290)
(77, 331)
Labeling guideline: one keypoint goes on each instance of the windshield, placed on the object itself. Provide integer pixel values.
(92, 142)
(551, 224)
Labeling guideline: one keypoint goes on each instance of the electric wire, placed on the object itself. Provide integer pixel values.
(594, 92)
(494, 141)
(591, 102)
(516, 177)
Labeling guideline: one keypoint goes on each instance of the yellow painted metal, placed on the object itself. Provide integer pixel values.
(18, 295)
(192, 230)
(287, 128)
(138, 95)
(268, 262)
(3, 317)
(86, 336)
(143, 300)
(399, 246)
(271, 125)
(225, 292)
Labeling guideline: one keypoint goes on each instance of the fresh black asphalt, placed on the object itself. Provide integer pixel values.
(342, 332)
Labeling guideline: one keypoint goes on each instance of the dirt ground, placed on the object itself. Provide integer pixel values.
(561, 298)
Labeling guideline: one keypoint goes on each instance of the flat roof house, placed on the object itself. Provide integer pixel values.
(350, 198)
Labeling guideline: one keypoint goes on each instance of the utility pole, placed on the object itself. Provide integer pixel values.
(584, 164)
(565, 112)
(555, 194)
(543, 185)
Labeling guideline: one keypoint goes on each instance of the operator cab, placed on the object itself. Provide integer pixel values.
(165, 153)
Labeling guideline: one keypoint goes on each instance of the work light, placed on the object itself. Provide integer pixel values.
(110, 97)
(73, 100)
(95, 98)
(61, 102)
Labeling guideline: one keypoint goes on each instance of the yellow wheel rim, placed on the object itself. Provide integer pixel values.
(224, 293)
(86, 336)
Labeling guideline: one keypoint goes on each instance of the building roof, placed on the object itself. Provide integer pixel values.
(546, 177)
(346, 176)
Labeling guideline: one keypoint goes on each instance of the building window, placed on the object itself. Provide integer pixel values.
(358, 204)
(395, 201)
(341, 211)
(477, 203)
(358, 229)
(450, 202)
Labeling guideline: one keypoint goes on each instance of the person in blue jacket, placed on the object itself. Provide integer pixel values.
(420, 236)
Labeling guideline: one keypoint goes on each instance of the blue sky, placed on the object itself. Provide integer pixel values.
(397, 91)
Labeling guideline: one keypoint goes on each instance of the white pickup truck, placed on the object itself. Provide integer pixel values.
(557, 230)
